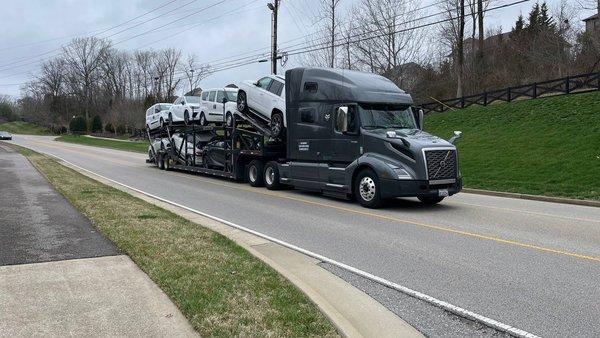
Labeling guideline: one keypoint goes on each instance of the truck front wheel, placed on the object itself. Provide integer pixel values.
(272, 176)
(255, 173)
(367, 189)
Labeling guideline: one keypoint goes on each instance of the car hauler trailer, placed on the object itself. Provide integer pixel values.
(348, 134)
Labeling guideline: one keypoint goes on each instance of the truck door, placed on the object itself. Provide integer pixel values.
(310, 141)
(345, 138)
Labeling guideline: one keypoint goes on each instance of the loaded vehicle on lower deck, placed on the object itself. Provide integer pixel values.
(347, 134)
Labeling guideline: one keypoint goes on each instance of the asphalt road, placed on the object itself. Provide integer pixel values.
(533, 265)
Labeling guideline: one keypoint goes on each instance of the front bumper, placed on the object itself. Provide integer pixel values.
(408, 188)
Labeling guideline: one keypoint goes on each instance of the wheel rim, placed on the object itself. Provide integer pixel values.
(228, 120)
(241, 103)
(367, 188)
(269, 175)
(252, 173)
(162, 123)
(202, 119)
(276, 127)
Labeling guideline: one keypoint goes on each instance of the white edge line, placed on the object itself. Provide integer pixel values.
(413, 293)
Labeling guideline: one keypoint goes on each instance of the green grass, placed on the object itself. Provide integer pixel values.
(547, 146)
(222, 289)
(136, 146)
(25, 128)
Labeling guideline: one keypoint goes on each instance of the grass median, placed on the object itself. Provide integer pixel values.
(135, 146)
(221, 288)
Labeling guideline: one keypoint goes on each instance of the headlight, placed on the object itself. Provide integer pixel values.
(401, 174)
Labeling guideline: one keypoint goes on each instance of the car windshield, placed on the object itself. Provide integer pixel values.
(387, 116)
(164, 107)
(231, 95)
(192, 99)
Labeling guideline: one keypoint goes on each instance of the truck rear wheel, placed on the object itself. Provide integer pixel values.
(367, 189)
(255, 173)
(272, 176)
(430, 200)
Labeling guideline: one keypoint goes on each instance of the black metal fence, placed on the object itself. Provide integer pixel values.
(567, 85)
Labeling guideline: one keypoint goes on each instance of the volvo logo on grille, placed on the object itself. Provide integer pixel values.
(442, 164)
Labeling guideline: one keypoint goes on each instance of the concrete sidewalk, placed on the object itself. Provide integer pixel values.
(60, 277)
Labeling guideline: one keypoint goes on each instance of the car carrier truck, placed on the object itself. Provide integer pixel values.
(348, 134)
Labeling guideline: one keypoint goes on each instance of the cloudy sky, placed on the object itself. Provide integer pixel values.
(214, 30)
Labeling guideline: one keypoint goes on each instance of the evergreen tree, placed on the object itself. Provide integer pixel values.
(78, 125)
(96, 124)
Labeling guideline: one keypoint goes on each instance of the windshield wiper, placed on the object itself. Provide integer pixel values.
(401, 126)
(375, 127)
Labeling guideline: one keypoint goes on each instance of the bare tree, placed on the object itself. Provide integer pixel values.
(453, 35)
(84, 58)
(194, 71)
(326, 35)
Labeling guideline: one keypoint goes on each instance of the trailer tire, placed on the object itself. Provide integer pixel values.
(271, 176)
(367, 189)
(242, 102)
(430, 200)
(255, 173)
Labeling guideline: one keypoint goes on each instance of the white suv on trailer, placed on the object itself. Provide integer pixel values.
(212, 106)
(184, 109)
(266, 97)
(156, 115)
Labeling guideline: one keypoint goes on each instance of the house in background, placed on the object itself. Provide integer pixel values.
(592, 24)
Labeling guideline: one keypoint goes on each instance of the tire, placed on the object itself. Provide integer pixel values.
(151, 156)
(167, 165)
(170, 120)
(430, 200)
(162, 123)
(242, 102)
(229, 119)
(186, 117)
(147, 129)
(161, 162)
(255, 173)
(367, 189)
(271, 176)
(277, 127)
(203, 121)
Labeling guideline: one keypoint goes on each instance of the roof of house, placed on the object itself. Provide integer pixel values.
(593, 17)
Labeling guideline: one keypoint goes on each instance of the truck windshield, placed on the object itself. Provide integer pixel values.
(386, 116)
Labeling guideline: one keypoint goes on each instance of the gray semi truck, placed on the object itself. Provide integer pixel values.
(348, 134)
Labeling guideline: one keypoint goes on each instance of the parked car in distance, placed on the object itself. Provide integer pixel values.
(156, 115)
(267, 98)
(212, 107)
(184, 109)
(4, 135)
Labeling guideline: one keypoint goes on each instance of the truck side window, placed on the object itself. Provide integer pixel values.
(220, 95)
(346, 123)
(307, 115)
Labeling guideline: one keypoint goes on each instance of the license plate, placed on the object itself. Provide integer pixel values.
(443, 192)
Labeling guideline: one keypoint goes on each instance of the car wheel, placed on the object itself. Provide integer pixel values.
(170, 120)
(151, 156)
(255, 173)
(271, 176)
(242, 102)
(277, 125)
(161, 162)
(167, 164)
(367, 189)
(162, 123)
(186, 117)
(203, 121)
(229, 120)
(430, 200)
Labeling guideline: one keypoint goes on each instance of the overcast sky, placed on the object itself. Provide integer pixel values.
(34, 30)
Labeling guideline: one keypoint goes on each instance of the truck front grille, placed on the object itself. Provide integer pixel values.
(441, 164)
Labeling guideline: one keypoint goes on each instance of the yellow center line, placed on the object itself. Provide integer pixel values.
(528, 212)
(394, 219)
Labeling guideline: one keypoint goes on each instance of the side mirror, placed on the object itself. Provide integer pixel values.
(256, 83)
(341, 119)
(421, 115)
(457, 135)
(182, 103)
(156, 111)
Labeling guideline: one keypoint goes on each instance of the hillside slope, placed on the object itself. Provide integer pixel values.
(547, 146)
(25, 128)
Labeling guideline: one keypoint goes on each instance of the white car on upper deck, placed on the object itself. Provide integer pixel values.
(185, 109)
(156, 115)
(265, 97)
(212, 107)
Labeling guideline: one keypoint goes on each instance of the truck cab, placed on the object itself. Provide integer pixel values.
(357, 134)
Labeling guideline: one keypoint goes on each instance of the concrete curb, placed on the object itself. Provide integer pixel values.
(351, 311)
(588, 203)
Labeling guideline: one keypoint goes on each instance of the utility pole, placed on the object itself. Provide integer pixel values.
(274, 7)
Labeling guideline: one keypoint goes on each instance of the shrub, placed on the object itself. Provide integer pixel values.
(121, 129)
(109, 128)
(78, 125)
(97, 124)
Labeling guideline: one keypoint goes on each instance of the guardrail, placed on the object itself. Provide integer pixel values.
(568, 85)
